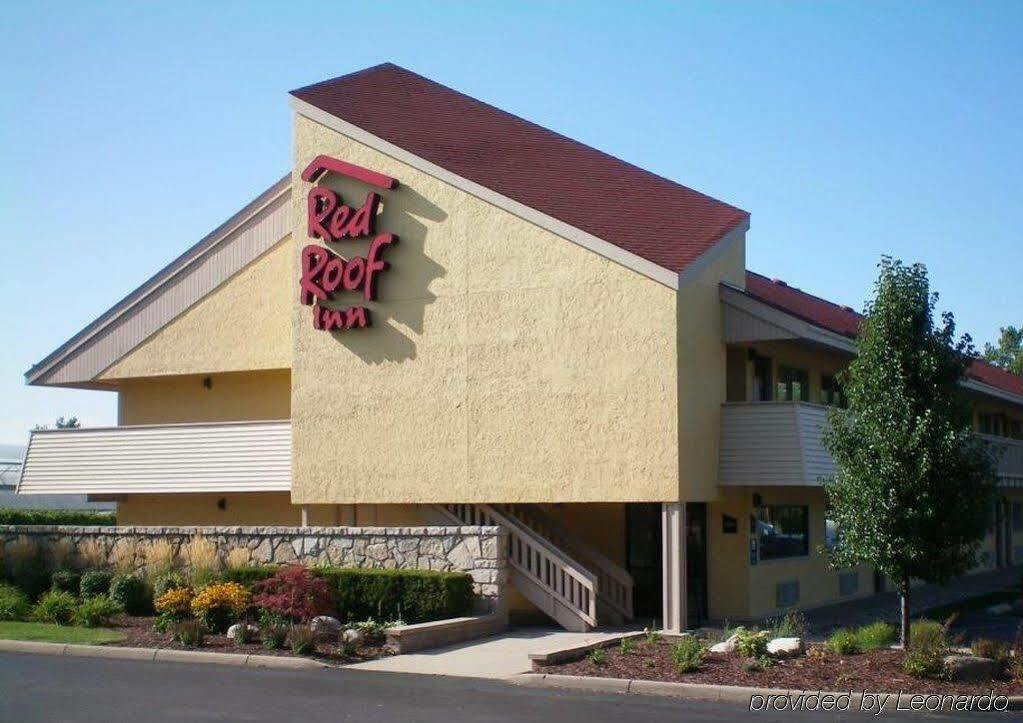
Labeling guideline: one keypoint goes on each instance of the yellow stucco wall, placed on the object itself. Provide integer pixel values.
(241, 325)
(702, 370)
(230, 398)
(505, 363)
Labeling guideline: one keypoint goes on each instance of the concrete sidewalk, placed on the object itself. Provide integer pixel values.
(497, 657)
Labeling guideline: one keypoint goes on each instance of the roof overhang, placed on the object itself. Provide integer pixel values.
(256, 228)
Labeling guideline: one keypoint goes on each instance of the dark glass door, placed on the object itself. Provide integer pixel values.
(696, 563)
(643, 558)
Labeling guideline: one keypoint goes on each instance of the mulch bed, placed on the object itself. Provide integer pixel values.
(140, 634)
(874, 671)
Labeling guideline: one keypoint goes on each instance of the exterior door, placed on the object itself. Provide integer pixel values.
(643, 558)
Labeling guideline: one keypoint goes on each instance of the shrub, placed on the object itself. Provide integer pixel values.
(220, 604)
(67, 581)
(999, 651)
(168, 581)
(687, 654)
(92, 554)
(295, 594)
(25, 567)
(302, 640)
(237, 557)
(415, 596)
(626, 646)
(928, 644)
(131, 593)
(93, 612)
(249, 575)
(844, 642)
(650, 637)
(597, 656)
(190, 633)
(175, 604)
(244, 634)
(122, 556)
(58, 554)
(55, 607)
(792, 625)
(56, 517)
(95, 582)
(159, 559)
(752, 644)
(13, 603)
(875, 636)
(273, 630)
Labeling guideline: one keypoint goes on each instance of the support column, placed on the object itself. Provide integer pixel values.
(673, 556)
(305, 516)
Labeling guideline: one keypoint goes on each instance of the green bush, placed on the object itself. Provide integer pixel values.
(95, 582)
(94, 612)
(792, 625)
(928, 645)
(687, 654)
(55, 607)
(927, 633)
(168, 581)
(415, 596)
(997, 650)
(273, 630)
(249, 575)
(875, 636)
(132, 594)
(597, 656)
(56, 517)
(752, 644)
(844, 642)
(67, 581)
(13, 603)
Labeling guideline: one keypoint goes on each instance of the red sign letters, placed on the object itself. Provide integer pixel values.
(331, 220)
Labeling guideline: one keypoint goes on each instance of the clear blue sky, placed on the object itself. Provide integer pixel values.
(848, 130)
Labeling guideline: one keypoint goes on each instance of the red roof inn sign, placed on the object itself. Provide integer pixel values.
(331, 220)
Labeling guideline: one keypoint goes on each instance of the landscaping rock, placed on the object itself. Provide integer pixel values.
(234, 630)
(728, 646)
(999, 609)
(325, 626)
(353, 636)
(970, 667)
(785, 647)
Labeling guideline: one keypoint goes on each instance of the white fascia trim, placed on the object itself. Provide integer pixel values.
(212, 241)
(738, 298)
(694, 269)
(582, 238)
(990, 391)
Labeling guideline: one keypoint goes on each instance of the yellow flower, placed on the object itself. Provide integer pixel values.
(229, 595)
(176, 601)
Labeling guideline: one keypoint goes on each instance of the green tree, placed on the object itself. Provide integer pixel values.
(912, 484)
(1008, 354)
(68, 423)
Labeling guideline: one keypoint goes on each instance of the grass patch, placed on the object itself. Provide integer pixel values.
(46, 633)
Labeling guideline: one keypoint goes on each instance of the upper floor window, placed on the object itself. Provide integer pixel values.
(999, 425)
(831, 393)
(793, 385)
(783, 531)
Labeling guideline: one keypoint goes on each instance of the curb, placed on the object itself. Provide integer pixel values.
(160, 655)
(694, 691)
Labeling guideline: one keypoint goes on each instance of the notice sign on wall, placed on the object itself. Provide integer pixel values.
(335, 220)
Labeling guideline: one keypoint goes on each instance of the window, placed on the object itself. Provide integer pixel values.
(793, 385)
(786, 593)
(761, 379)
(831, 392)
(783, 531)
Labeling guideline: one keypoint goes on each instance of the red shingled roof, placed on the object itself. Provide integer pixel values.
(652, 217)
(843, 320)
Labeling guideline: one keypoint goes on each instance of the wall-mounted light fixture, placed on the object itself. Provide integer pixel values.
(222, 503)
(207, 382)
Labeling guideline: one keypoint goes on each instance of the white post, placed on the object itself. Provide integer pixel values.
(673, 555)
(305, 515)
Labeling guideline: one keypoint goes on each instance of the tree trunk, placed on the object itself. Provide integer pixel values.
(904, 628)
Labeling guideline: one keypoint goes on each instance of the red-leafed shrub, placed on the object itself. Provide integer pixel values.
(294, 593)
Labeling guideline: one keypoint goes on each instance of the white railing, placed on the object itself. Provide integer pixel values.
(614, 583)
(539, 561)
(1010, 460)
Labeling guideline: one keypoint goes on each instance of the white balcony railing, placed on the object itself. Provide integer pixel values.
(213, 457)
(779, 443)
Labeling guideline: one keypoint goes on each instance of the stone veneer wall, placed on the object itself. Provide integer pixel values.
(479, 551)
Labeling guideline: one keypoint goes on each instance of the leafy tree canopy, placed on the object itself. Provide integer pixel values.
(1008, 353)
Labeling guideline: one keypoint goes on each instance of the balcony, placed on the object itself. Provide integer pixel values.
(207, 457)
(779, 443)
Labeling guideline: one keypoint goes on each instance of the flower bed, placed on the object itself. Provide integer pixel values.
(879, 670)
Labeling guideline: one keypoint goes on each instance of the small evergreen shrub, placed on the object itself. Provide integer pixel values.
(55, 607)
(14, 605)
(752, 644)
(273, 630)
(928, 645)
(220, 604)
(67, 581)
(131, 593)
(294, 594)
(95, 582)
(302, 640)
(93, 612)
(415, 596)
(844, 642)
(875, 636)
(687, 654)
